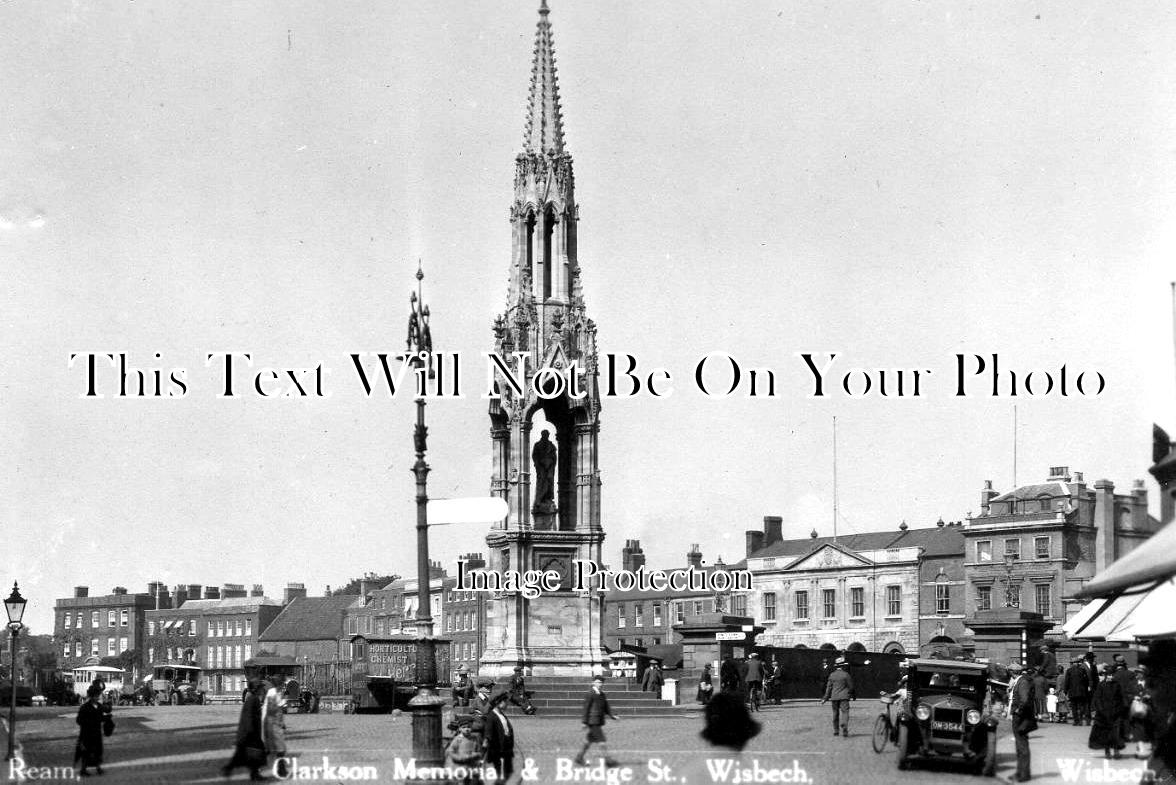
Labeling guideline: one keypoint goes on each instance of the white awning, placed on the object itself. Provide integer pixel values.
(1141, 612)
(1083, 617)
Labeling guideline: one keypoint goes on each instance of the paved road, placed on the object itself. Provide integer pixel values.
(188, 744)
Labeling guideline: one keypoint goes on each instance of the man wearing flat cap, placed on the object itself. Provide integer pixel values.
(1022, 716)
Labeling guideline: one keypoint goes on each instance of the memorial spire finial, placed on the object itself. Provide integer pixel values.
(544, 131)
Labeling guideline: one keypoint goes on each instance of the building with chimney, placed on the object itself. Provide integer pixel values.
(645, 619)
(545, 446)
(310, 629)
(99, 626)
(889, 591)
(214, 627)
(1035, 547)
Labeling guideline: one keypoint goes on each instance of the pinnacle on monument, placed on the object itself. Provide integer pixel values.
(544, 132)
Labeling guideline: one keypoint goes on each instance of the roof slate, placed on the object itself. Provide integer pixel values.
(310, 619)
(936, 541)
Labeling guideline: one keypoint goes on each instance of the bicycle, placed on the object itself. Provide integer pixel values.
(755, 697)
(884, 728)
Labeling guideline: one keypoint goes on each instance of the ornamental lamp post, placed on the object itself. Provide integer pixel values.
(15, 607)
(426, 704)
(1011, 599)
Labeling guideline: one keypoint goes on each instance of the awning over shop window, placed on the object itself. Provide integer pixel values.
(1139, 612)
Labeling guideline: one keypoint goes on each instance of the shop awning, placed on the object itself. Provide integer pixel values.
(1153, 561)
(1139, 612)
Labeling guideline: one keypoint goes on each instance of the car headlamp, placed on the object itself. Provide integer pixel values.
(923, 711)
(973, 717)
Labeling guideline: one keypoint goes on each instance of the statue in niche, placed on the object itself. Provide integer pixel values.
(543, 458)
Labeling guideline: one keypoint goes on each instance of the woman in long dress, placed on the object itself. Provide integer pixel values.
(273, 722)
(92, 715)
(1106, 706)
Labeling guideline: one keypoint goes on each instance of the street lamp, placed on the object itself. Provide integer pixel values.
(1011, 598)
(426, 704)
(15, 606)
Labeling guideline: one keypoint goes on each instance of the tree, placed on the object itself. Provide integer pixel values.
(374, 581)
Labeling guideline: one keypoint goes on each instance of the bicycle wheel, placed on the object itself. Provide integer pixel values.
(881, 732)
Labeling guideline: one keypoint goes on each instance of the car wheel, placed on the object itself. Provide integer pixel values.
(989, 769)
(903, 739)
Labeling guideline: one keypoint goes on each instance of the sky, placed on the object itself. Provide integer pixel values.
(893, 182)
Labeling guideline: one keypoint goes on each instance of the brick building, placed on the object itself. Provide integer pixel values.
(217, 631)
(99, 626)
(458, 616)
(1035, 547)
(311, 629)
(644, 619)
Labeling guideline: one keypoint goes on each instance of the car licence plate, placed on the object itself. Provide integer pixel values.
(952, 726)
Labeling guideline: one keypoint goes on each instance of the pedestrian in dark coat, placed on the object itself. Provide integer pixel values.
(1040, 691)
(498, 737)
(596, 708)
(249, 749)
(706, 687)
(653, 679)
(93, 715)
(1076, 684)
(839, 690)
(1109, 712)
(1127, 682)
(728, 675)
(1022, 716)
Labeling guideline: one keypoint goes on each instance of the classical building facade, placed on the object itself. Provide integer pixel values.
(879, 591)
(544, 425)
(1035, 547)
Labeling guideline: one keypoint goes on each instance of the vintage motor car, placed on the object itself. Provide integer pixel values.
(176, 684)
(944, 715)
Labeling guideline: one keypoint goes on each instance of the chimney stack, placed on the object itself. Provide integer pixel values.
(694, 557)
(773, 529)
(475, 561)
(1104, 523)
(179, 596)
(986, 496)
(81, 591)
(212, 592)
(1059, 474)
(231, 590)
(755, 541)
(292, 592)
(194, 591)
(632, 557)
(119, 591)
(257, 591)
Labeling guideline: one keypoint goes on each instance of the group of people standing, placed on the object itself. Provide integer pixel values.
(1111, 698)
(1115, 701)
(742, 676)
